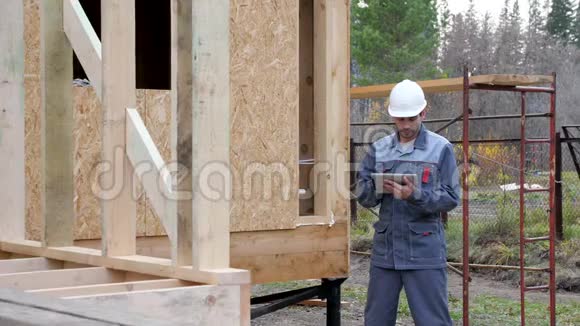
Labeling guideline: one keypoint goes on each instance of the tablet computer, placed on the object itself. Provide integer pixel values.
(396, 177)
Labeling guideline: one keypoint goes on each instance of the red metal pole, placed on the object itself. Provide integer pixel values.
(552, 204)
(522, 210)
(465, 197)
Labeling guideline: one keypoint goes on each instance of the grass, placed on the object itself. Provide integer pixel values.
(484, 309)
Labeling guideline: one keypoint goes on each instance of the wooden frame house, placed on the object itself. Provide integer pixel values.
(236, 175)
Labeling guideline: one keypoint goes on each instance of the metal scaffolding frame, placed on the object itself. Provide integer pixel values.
(551, 237)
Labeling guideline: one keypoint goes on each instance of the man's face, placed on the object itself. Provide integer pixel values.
(408, 128)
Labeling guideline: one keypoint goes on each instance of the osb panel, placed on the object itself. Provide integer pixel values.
(264, 116)
(87, 143)
(157, 119)
(33, 173)
(32, 37)
(141, 199)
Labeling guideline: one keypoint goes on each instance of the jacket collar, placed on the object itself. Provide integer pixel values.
(420, 141)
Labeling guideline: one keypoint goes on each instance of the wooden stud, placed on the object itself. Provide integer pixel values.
(331, 107)
(118, 51)
(306, 67)
(85, 42)
(211, 134)
(12, 191)
(181, 136)
(57, 127)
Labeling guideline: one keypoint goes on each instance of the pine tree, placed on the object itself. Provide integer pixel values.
(576, 30)
(560, 22)
(535, 36)
(391, 40)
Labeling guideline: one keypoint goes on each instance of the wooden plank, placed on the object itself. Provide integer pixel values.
(453, 84)
(20, 308)
(150, 167)
(245, 304)
(331, 109)
(85, 42)
(12, 192)
(301, 266)
(29, 265)
(306, 91)
(118, 51)
(213, 305)
(57, 127)
(211, 134)
(60, 278)
(303, 239)
(99, 289)
(181, 127)
(138, 264)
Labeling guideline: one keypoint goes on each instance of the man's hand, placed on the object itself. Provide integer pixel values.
(399, 191)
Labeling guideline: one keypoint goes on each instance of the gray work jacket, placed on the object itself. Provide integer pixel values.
(409, 233)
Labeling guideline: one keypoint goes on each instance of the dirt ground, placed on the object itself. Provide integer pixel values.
(353, 313)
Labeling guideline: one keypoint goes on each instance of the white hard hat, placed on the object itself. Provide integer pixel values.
(406, 100)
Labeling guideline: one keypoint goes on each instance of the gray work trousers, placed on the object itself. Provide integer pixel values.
(426, 291)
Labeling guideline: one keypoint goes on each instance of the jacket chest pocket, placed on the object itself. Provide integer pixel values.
(428, 175)
(384, 166)
(425, 240)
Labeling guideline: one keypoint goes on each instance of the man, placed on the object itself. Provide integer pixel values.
(409, 249)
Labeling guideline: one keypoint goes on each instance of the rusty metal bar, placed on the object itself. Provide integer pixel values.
(502, 267)
(552, 282)
(522, 209)
(465, 197)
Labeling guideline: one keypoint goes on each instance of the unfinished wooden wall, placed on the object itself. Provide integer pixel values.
(264, 123)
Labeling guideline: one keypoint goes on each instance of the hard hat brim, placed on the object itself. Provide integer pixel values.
(393, 112)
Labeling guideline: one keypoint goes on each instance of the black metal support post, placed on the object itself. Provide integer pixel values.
(332, 289)
(328, 290)
(558, 189)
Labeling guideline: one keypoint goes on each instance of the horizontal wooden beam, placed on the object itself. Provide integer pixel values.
(269, 255)
(195, 305)
(150, 167)
(29, 265)
(138, 264)
(300, 266)
(100, 289)
(453, 84)
(60, 278)
(84, 41)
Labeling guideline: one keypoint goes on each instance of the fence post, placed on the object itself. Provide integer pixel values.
(353, 204)
(558, 189)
